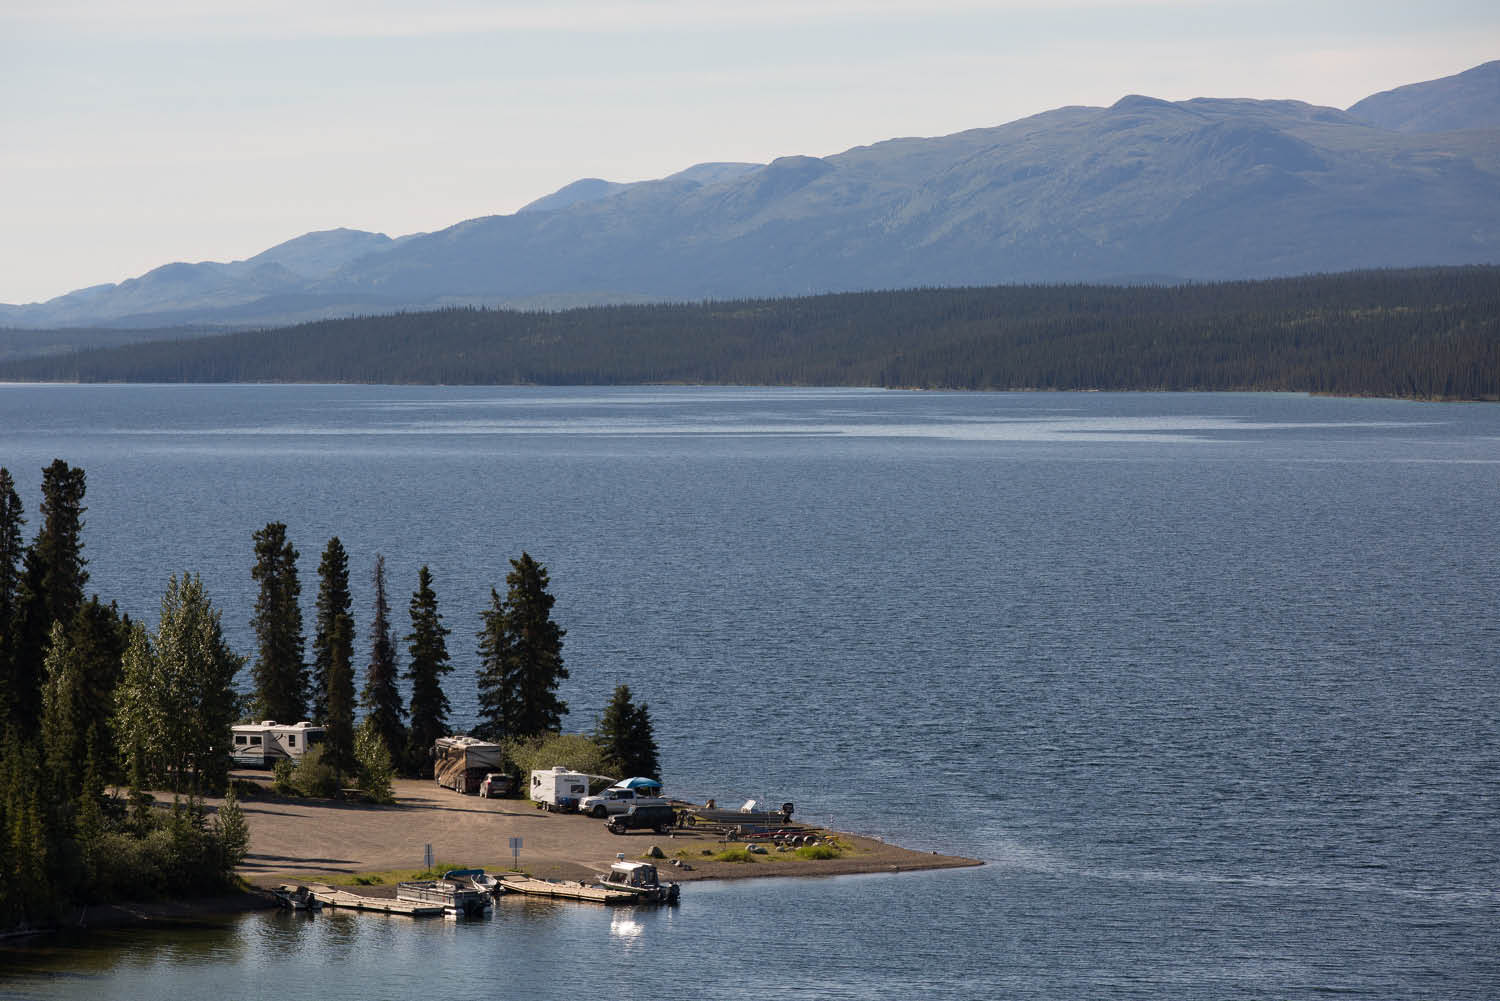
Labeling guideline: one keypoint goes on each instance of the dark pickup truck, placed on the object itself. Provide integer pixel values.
(657, 816)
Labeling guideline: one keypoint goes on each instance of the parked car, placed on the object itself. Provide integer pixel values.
(495, 784)
(615, 799)
(657, 816)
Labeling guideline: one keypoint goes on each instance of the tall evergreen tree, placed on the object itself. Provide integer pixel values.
(333, 656)
(499, 699)
(628, 739)
(280, 673)
(428, 663)
(51, 589)
(12, 518)
(176, 701)
(535, 649)
(381, 698)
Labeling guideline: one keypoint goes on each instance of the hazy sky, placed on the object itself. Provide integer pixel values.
(138, 132)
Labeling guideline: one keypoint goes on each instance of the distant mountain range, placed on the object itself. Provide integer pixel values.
(1144, 190)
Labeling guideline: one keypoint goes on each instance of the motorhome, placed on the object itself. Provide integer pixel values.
(261, 745)
(461, 763)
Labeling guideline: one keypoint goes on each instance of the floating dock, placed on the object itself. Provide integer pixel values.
(564, 890)
(331, 897)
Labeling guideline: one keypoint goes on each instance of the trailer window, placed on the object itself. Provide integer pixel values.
(314, 738)
(291, 740)
(255, 740)
(241, 740)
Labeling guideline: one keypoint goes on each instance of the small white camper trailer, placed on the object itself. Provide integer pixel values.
(261, 745)
(558, 789)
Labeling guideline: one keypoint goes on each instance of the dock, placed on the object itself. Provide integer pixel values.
(564, 890)
(332, 897)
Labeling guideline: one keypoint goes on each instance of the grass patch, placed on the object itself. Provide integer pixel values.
(388, 877)
(819, 852)
(734, 855)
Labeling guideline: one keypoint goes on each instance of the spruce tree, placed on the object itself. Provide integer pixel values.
(535, 653)
(12, 518)
(381, 698)
(499, 699)
(51, 590)
(428, 662)
(626, 735)
(333, 657)
(280, 674)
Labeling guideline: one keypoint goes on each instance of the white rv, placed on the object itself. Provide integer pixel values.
(261, 745)
(558, 789)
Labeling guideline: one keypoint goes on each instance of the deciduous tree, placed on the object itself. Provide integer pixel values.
(176, 701)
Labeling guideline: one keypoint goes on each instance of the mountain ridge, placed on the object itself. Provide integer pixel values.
(1204, 189)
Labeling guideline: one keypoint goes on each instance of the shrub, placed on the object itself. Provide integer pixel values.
(232, 832)
(734, 855)
(572, 750)
(376, 769)
(283, 777)
(316, 777)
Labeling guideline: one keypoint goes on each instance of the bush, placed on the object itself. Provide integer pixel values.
(376, 769)
(572, 750)
(284, 775)
(734, 855)
(232, 832)
(316, 777)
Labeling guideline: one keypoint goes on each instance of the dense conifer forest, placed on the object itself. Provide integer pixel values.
(1429, 333)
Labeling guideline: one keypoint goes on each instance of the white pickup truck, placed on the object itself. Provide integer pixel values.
(615, 799)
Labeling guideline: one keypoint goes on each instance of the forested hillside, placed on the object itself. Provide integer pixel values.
(1429, 333)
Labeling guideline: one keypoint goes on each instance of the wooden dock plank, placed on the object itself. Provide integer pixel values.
(564, 890)
(332, 897)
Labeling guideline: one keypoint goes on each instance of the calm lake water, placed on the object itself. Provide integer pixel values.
(1211, 682)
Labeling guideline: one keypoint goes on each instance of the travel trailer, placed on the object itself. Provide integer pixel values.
(558, 789)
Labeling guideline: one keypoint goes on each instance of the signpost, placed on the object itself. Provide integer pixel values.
(515, 854)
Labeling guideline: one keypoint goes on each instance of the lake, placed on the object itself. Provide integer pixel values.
(1210, 681)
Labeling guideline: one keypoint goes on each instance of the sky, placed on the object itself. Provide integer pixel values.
(136, 134)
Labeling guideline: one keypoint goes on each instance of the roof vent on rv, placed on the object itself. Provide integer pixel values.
(268, 722)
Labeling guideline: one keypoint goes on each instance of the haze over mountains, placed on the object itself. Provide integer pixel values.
(1144, 190)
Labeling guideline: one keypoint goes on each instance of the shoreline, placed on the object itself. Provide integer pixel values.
(295, 840)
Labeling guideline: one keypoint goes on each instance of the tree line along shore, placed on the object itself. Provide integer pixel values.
(96, 708)
(1430, 333)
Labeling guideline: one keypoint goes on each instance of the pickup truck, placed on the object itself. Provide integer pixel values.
(657, 816)
(615, 799)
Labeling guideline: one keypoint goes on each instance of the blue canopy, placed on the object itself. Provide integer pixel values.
(640, 783)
